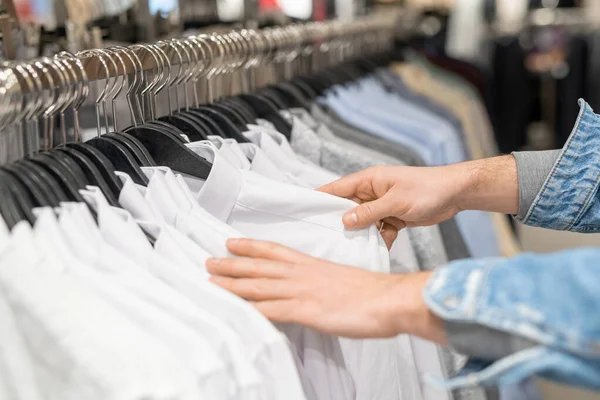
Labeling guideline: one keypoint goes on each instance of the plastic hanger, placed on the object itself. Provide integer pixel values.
(173, 154)
(48, 181)
(36, 188)
(267, 111)
(61, 175)
(24, 203)
(93, 174)
(8, 205)
(120, 157)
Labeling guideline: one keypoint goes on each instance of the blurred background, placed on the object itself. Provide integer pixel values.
(531, 60)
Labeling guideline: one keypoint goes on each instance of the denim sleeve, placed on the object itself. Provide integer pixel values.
(568, 199)
(549, 301)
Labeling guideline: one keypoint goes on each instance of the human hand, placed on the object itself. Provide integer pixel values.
(291, 287)
(419, 196)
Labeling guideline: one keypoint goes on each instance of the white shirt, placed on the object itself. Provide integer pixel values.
(250, 157)
(278, 149)
(310, 222)
(82, 347)
(263, 344)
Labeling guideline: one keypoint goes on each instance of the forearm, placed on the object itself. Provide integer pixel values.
(489, 184)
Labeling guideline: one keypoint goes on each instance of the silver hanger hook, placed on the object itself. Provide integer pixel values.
(112, 52)
(203, 68)
(103, 93)
(166, 65)
(11, 107)
(82, 93)
(170, 83)
(109, 91)
(192, 67)
(149, 89)
(135, 86)
(70, 80)
(20, 108)
(122, 49)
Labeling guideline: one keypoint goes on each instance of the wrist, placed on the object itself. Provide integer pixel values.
(489, 184)
(411, 315)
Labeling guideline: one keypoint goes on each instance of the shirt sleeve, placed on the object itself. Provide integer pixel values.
(533, 168)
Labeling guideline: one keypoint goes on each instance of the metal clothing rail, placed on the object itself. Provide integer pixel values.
(47, 86)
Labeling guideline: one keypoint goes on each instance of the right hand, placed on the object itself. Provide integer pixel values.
(399, 197)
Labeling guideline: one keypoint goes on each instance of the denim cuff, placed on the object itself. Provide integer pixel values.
(533, 168)
(565, 201)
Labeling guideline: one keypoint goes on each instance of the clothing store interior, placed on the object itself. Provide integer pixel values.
(139, 138)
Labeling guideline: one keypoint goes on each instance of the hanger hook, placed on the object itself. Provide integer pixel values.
(103, 93)
(83, 90)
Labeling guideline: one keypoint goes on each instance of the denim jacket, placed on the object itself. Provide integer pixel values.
(551, 300)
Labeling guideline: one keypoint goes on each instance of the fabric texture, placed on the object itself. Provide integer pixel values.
(533, 168)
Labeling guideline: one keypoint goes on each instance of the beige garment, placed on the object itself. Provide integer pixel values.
(420, 81)
(509, 246)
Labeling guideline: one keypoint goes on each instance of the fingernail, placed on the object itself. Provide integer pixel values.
(232, 241)
(350, 219)
(213, 260)
(214, 279)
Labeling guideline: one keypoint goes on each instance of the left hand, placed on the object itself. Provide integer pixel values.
(291, 287)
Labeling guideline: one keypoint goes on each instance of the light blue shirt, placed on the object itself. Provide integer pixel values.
(368, 106)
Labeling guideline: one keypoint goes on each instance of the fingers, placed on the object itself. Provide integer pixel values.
(277, 310)
(256, 289)
(367, 214)
(266, 250)
(348, 186)
(247, 268)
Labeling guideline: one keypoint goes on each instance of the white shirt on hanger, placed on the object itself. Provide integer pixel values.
(82, 347)
(311, 222)
(264, 345)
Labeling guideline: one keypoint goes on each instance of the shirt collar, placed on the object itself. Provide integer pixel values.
(219, 193)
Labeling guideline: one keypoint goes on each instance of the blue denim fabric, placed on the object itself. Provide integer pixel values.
(552, 299)
(369, 107)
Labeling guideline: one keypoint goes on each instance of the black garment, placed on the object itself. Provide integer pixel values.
(514, 90)
(570, 89)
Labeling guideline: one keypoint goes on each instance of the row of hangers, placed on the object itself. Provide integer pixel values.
(48, 87)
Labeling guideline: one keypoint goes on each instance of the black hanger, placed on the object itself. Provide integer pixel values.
(242, 106)
(105, 167)
(169, 152)
(305, 89)
(65, 178)
(40, 194)
(74, 171)
(92, 173)
(22, 197)
(8, 205)
(292, 95)
(171, 129)
(121, 158)
(238, 119)
(229, 128)
(58, 195)
(213, 127)
(133, 148)
(205, 128)
(275, 98)
(189, 127)
(267, 111)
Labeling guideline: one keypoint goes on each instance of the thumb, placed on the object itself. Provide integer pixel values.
(367, 214)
